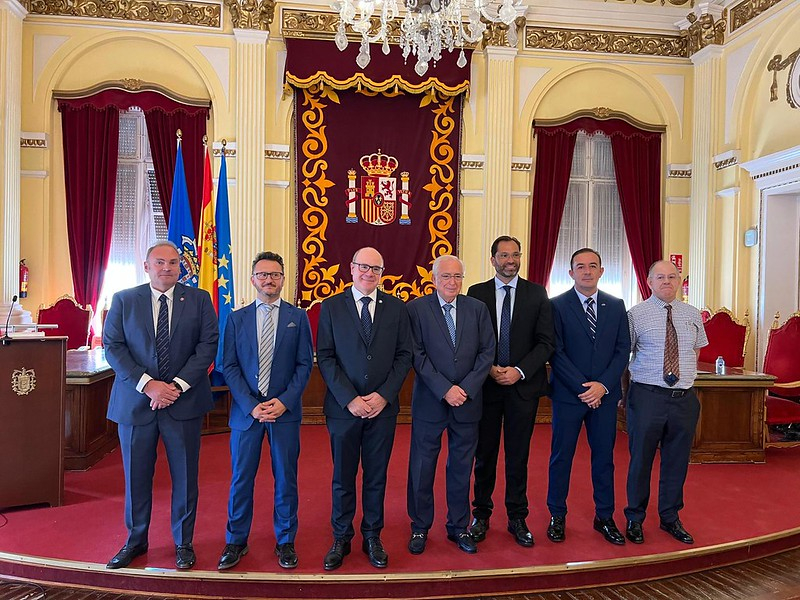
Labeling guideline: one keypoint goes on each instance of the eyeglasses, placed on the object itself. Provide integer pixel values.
(261, 275)
(671, 277)
(449, 276)
(364, 268)
(507, 255)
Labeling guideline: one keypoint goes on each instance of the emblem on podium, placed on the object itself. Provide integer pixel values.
(23, 381)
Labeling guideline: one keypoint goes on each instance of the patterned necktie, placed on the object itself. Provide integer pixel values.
(266, 348)
(591, 316)
(671, 363)
(162, 338)
(451, 326)
(504, 339)
(366, 319)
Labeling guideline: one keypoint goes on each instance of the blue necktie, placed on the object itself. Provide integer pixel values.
(591, 316)
(162, 339)
(504, 341)
(366, 319)
(451, 326)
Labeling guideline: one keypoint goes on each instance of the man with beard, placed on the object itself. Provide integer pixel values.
(523, 323)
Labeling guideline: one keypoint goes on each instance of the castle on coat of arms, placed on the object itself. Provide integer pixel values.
(378, 192)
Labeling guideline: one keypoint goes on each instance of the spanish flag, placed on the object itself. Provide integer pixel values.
(207, 238)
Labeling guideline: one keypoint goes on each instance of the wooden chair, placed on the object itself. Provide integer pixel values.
(780, 360)
(727, 337)
(313, 319)
(72, 319)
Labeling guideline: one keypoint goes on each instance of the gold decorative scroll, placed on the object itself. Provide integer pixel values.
(663, 2)
(746, 11)
(200, 14)
(703, 31)
(364, 84)
(251, 14)
(778, 63)
(612, 42)
(496, 34)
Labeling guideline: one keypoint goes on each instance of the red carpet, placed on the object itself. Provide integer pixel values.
(724, 503)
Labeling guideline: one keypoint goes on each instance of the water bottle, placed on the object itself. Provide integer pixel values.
(720, 366)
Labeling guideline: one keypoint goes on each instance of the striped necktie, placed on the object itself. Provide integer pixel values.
(162, 338)
(266, 348)
(672, 371)
(591, 316)
(451, 326)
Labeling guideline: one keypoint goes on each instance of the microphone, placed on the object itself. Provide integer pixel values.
(6, 337)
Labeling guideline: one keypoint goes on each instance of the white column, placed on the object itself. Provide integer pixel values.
(498, 144)
(705, 133)
(11, 15)
(248, 213)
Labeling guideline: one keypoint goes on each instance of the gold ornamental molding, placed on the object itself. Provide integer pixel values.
(703, 31)
(662, 2)
(679, 171)
(611, 42)
(251, 14)
(726, 159)
(778, 63)
(199, 14)
(30, 139)
(602, 113)
(129, 85)
(472, 161)
(746, 11)
(277, 151)
(496, 34)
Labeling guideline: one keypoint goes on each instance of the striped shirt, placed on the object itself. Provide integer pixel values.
(648, 325)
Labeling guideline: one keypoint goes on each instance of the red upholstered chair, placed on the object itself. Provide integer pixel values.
(313, 319)
(727, 337)
(72, 319)
(780, 360)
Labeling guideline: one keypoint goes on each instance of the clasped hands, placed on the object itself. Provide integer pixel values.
(505, 375)
(269, 411)
(367, 407)
(161, 394)
(594, 393)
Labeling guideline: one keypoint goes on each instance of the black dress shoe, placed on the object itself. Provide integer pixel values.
(633, 531)
(608, 528)
(373, 548)
(335, 556)
(464, 541)
(416, 545)
(231, 555)
(676, 530)
(287, 556)
(184, 556)
(557, 530)
(125, 556)
(478, 529)
(521, 533)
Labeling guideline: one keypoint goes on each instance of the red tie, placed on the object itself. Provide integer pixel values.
(672, 371)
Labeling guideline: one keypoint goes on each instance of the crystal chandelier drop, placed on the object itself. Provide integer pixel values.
(428, 27)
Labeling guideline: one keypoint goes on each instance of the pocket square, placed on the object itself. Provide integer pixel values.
(292, 324)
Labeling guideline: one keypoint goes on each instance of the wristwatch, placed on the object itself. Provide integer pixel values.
(177, 385)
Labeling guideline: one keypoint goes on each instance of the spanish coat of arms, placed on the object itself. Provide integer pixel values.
(378, 192)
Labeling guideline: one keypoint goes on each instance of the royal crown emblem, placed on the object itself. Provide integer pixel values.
(378, 192)
(23, 381)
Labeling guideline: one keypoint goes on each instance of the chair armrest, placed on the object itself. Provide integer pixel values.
(787, 385)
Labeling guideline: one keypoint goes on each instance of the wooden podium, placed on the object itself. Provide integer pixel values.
(32, 385)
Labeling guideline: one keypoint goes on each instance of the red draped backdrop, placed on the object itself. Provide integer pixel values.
(637, 163)
(377, 164)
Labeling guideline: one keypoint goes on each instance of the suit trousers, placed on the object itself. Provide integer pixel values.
(601, 432)
(426, 443)
(515, 416)
(655, 418)
(370, 442)
(246, 446)
(139, 444)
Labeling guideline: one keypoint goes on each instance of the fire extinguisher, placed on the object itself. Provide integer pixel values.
(686, 287)
(23, 279)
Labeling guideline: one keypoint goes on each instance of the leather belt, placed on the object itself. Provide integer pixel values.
(672, 393)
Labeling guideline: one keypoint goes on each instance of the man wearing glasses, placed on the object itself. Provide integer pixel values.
(523, 322)
(454, 346)
(364, 355)
(267, 360)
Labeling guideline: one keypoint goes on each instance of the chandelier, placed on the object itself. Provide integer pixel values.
(428, 27)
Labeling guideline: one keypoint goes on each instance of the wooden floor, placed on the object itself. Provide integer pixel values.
(773, 578)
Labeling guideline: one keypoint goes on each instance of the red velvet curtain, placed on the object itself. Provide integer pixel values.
(91, 148)
(161, 128)
(637, 162)
(554, 148)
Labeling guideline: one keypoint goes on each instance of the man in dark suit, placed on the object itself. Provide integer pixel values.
(160, 339)
(454, 347)
(267, 361)
(593, 345)
(523, 322)
(364, 355)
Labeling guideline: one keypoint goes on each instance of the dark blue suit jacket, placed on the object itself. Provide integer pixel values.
(350, 366)
(291, 363)
(130, 341)
(439, 366)
(577, 358)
